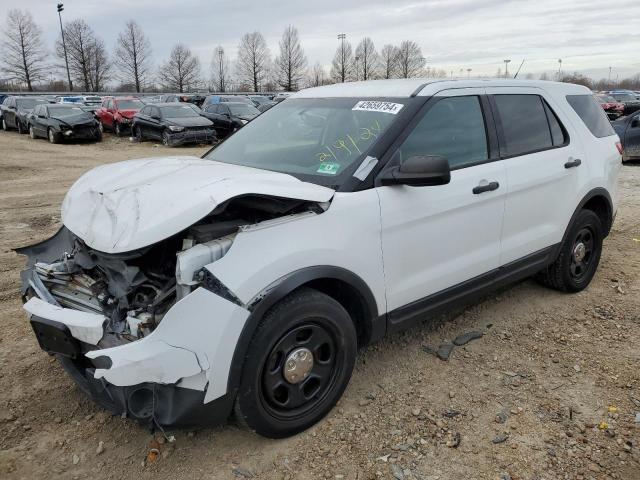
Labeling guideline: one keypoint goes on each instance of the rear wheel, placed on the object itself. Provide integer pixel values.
(579, 255)
(302, 357)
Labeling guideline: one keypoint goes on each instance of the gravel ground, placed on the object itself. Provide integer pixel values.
(551, 390)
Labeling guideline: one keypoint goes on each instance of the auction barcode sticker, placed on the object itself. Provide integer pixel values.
(373, 106)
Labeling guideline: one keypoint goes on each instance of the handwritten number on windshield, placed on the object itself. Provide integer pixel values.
(350, 143)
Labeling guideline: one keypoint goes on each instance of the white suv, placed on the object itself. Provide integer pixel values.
(180, 289)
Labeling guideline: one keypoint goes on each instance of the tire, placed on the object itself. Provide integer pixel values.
(19, 127)
(116, 129)
(101, 128)
(52, 136)
(165, 138)
(99, 136)
(5, 127)
(310, 323)
(32, 132)
(138, 133)
(575, 266)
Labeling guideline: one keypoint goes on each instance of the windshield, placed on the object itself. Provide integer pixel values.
(28, 103)
(243, 110)
(316, 140)
(60, 112)
(178, 111)
(130, 104)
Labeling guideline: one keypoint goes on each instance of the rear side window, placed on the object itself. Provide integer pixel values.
(524, 124)
(453, 128)
(558, 134)
(592, 114)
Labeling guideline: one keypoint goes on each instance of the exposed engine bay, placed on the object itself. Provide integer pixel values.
(134, 290)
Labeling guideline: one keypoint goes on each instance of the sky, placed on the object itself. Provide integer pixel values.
(588, 35)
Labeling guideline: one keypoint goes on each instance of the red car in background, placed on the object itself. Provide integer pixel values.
(116, 114)
(610, 105)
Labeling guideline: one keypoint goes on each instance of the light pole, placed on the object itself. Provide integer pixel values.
(506, 68)
(221, 72)
(64, 45)
(609, 75)
(342, 36)
(468, 72)
(559, 69)
(357, 60)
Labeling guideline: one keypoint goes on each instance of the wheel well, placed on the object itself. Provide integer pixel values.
(601, 207)
(353, 302)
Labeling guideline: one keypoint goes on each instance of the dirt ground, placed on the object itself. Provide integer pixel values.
(551, 391)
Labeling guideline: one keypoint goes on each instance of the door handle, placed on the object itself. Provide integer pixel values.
(489, 187)
(573, 163)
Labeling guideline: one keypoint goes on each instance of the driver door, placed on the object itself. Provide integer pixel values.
(436, 239)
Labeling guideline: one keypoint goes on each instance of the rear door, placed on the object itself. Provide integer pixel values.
(438, 237)
(545, 166)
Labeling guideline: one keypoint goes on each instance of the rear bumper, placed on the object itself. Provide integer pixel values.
(191, 136)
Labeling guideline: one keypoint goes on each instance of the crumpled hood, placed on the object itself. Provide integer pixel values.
(128, 205)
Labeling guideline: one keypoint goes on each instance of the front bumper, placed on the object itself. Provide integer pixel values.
(175, 377)
(191, 136)
(83, 133)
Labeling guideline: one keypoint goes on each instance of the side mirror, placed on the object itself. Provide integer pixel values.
(635, 122)
(155, 117)
(419, 171)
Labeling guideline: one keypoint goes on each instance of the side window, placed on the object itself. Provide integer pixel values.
(156, 112)
(144, 111)
(453, 128)
(558, 133)
(591, 114)
(223, 109)
(524, 123)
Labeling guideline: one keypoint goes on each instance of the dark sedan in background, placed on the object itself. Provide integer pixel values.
(628, 129)
(63, 122)
(630, 101)
(15, 111)
(227, 117)
(611, 106)
(173, 124)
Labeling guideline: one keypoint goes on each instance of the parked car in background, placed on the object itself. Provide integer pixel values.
(281, 96)
(152, 99)
(70, 99)
(173, 124)
(628, 129)
(116, 114)
(180, 97)
(15, 111)
(92, 100)
(262, 102)
(63, 122)
(226, 99)
(628, 99)
(610, 105)
(5, 98)
(227, 117)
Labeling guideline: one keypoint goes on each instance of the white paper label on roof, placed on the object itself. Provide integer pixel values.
(374, 106)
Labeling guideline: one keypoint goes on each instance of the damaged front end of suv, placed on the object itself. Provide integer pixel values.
(124, 294)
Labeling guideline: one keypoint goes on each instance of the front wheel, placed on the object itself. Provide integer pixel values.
(117, 129)
(5, 127)
(579, 255)
(32, 132)
(53, 136)
(302, 357)
(138, 133)
(165, 139)
(19, 127)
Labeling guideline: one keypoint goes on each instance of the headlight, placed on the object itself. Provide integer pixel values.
(125, 120)
(174, 128)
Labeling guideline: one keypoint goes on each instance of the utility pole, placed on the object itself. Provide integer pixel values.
(64, 45)
(506, 68)
(343, 73)
(357, 76)
(609, 75)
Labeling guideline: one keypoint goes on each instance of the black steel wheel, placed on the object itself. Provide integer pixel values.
(138, 133)
(165, 139)
(300, 361)
(579, 255)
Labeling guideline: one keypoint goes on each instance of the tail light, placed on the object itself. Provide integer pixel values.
(619, 147)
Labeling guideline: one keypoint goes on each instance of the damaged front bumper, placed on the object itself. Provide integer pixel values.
(187, 136)
(175, 376)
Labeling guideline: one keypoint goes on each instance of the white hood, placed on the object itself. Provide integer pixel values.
(124, 206)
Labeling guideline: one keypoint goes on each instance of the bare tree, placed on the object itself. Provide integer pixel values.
(410, 61)
(133, 55)
(342, 62)
(88, 59)
(253, 60)
(367, 58)
(316, 76)
(181, 71)
(291, 63)
(220, 70)
(388, 61)
(24, 54)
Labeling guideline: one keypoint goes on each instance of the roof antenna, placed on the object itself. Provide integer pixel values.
(516, 75)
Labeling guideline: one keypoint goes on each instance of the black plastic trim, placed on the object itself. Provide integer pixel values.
(596, 192)
(473, 289)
